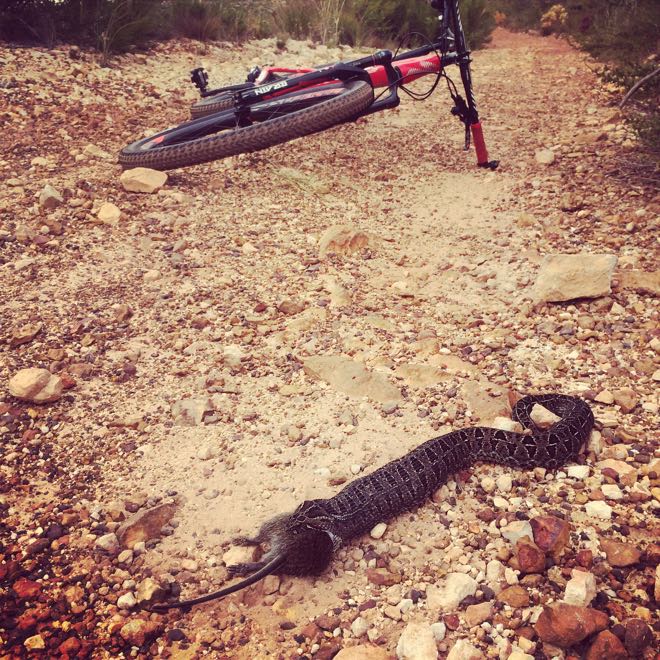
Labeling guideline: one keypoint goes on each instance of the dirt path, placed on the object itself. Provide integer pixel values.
(213, 297)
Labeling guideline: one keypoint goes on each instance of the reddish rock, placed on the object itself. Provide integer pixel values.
(452, 621)
(26, 622)
(585, 558)
(70, 647)
(311, 631)
(291, 307)
(486, 515)
(532, 580)
(610, 474)
(626, 398)
(637, 637)
(37, 547)
(515, 596)
(42, 613)
(606, 646)
(138, 631)
(332, 651)
(367, 605)
(620, 554)
(327, 622)
(531, 559)
(382, 577)
(476, 614)
(146, 524)
(652, 554)
(26, 589)
(68, 381)
(565, 625)
(551, 534)
(618, 610)
(70, 518)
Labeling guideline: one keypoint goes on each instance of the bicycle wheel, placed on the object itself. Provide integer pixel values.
(216, 103)
(271, 122)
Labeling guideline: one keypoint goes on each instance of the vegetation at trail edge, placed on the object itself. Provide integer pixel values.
(116, 25)
(621, 34)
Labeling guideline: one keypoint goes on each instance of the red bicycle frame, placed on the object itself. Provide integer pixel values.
(381, 70)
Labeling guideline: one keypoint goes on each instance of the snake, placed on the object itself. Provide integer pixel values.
(304, 542)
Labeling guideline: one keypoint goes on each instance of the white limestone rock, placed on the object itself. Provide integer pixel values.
(36, 385)
(142, 180)
(569, 276)
(463, 650)
(580, 589)
(417, 643)
(446, 598)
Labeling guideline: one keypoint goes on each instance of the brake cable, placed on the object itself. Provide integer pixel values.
(416, 96)
(460, 109)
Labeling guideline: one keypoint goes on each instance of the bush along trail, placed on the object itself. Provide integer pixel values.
(186, 355)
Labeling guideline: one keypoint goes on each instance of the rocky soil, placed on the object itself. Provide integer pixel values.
(262, 330)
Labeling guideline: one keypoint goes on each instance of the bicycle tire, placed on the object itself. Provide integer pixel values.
(211, 104)
(351, 99)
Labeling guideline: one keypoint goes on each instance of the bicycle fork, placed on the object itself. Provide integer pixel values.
(467, 111)
(468, 114)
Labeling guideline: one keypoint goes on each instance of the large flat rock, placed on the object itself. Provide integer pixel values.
(352, 378)
(641, 280)
(569, 276)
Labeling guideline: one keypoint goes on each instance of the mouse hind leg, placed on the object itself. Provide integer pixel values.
(246, 541)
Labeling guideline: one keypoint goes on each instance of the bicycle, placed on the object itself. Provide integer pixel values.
(277, 104)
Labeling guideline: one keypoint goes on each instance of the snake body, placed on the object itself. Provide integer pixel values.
(411, 479)
(303, 542)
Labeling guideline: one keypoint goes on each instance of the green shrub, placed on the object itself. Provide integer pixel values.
(554, 20)
(29, 21)
(197, 19)
(382, 22)
(124, 23)
(111, 25)
(522, 14)
(646, 125)
(478, 18)
(624, 31)
(297, 19)
(116, 25)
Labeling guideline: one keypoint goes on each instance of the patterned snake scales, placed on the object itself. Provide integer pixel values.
(302, 543)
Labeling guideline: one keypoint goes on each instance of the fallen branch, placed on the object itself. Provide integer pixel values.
(637, 85)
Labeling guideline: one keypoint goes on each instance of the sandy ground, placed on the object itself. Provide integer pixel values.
(229, 298)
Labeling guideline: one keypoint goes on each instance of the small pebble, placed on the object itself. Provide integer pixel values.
(378, 531)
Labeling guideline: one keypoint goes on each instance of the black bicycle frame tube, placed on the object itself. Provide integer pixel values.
(447, 58)
(339, 71)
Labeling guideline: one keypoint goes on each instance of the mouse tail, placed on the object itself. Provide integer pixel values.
(269, 568)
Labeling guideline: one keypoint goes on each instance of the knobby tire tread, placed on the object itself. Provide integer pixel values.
(358, 96)
(213, 104)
